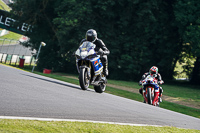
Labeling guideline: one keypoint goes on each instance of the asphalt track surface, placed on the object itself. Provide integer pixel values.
(25, 94)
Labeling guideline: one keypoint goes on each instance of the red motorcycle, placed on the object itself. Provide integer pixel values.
(151, 90)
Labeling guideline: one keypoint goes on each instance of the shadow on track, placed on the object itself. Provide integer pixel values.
(56, 82)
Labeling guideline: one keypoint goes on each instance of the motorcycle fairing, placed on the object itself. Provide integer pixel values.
(84, 50)
(151, 83)
(97, 65)
(155, 86)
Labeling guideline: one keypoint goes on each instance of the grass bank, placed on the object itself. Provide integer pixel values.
(29, 126)
(167, 105)
(8, 37)
(175, 89)
(3, 6)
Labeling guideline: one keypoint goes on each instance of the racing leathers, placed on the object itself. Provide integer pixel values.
(102, 50)
(160, 81)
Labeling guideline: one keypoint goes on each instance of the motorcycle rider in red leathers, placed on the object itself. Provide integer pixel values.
(153, 71)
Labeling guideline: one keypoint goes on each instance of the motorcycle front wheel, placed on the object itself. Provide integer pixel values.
(101, 88)
(149, 96)
(84, 80)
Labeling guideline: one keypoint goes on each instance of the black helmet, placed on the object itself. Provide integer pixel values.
(91, 35)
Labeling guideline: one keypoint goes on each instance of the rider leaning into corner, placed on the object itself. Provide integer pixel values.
(91, 36)
(153, 71)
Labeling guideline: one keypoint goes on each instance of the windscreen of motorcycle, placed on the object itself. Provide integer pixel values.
(85, 49)
(151, 79)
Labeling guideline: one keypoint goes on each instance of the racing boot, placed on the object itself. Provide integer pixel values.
(144, 101)
(160, 99)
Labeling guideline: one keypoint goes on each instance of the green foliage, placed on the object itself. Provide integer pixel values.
(139, 33)
(129, 33)
(42, 14)
(188, 23)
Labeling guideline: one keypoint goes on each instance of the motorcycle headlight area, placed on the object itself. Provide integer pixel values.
(84, 54)
(91, 54)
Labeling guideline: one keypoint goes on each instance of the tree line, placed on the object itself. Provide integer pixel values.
(139, 34)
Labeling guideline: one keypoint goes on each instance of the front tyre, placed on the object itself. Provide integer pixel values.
(84, 80)
(149, 97)
(101, 88)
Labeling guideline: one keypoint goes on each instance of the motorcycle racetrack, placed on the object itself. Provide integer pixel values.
(24, 94)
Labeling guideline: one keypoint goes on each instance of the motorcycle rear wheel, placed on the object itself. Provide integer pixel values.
(83, 79)
(149, 96)
(100, 89)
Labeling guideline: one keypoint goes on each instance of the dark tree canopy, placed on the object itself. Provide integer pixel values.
(139, 34)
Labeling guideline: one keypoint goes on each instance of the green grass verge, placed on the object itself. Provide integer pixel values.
(125, 83)
(186, 91)
(3, 6)
(11, 36)
(30, 126)
(167, 105)
(181, 109)
(180, 90)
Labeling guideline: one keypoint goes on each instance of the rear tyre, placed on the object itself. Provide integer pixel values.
(149, 97)
(84, 80)
(101, 88)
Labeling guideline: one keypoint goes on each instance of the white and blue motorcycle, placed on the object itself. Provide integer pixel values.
(90, 67)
